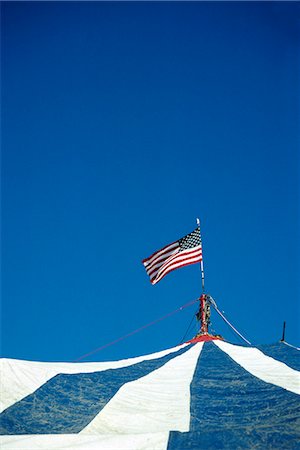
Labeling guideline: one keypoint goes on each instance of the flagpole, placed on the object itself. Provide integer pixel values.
(203, 307)
(201, 262)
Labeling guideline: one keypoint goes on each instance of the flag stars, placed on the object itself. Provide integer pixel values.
(191, 240)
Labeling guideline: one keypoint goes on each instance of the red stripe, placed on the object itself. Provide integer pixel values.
(161, 258)
(171, 269)
(153, 254)
(157, 267)
(174, 259)
(174, 267)
(188, 259)
(176, 264)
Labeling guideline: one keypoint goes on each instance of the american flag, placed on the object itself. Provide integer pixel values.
(185, 251)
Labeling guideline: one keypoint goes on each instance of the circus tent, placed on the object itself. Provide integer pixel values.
(208, 395)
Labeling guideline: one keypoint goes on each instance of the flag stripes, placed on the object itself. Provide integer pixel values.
(176, 261)
(157, 261)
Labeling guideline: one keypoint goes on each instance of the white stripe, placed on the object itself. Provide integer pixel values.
(162, 264)
(182, 257)
(20, 378)
(153, 441)
(160, 252)
(158, 402)
(193, 259)
(263, 367)
(173, 266)
(176, 255)
(158, 262)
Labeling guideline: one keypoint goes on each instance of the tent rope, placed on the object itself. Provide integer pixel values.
(136, 331)
(213, 303)
(290, 345)
(188, 329)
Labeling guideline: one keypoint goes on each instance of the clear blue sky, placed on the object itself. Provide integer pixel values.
(122, 123)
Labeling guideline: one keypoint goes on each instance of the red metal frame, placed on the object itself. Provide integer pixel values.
(204, 327)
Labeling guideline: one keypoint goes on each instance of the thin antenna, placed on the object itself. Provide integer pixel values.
(283, 333)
